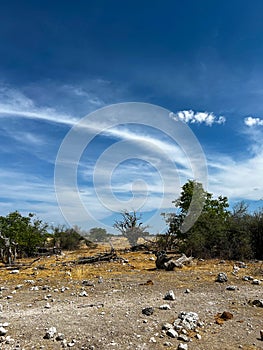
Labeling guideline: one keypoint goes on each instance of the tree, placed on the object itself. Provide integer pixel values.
(25, 233)
(98, 234)
(131, 226)
(67, 238)
(256, 229)
(207, 216)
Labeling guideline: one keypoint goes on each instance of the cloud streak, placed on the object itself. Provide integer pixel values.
(14, 103)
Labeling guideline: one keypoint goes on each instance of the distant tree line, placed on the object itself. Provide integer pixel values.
(217, 232)
(23, 236)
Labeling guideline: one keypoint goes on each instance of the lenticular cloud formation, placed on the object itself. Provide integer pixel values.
(198, 117)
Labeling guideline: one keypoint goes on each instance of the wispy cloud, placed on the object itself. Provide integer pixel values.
(14, 103)
(191, 117)
(251, 121)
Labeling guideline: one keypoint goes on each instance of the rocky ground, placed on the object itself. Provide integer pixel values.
(128, 304)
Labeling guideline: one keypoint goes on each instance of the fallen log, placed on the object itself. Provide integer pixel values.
(169, 263)
(111, 256)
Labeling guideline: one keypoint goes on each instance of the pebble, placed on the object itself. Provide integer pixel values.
(165, 307)
(182, 346)
(247, 278)
(231, 287)
(222, 277)
(167, 326)
(3, 331)
(256, 282)
(148, 311)
(169, 295)
(168, 343)
(256, 302)
(50, 333)
(172, 333)
(183, 337)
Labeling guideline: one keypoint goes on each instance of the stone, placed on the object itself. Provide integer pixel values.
(50, 333)
(148, 311)
(88, 283)
(169, 295)
(19, 286)
(167, 326)
(3, 331)
(256, 282)
(172, 333)
(225, 316)
(165, 307)
(182, 346)
(168, 343)
(222, 277)
(187, 291)
(231, 288)
(198, 336)
(60, 337)
(83, 294)
(184, 338)
(261, 334)
(187, 320)
(9, 340)
(241, 265)
(256, 302)
(247, 278)
(35, 288)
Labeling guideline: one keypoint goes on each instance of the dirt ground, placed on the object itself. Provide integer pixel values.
(109, 314)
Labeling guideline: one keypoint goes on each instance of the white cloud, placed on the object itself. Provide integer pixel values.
(191, 117)
(236, 179)
(251, 121)
(14, 103)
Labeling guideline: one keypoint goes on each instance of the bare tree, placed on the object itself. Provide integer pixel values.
(131, 226)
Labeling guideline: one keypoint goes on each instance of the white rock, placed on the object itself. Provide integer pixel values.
(169, 295)
(50, 333)
(165, 307)
(19, 286)
(172, 333)
(3, 331)
(182, 346)
(167, 326)
(152, 340)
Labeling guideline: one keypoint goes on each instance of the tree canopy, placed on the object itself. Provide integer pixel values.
(216, 232)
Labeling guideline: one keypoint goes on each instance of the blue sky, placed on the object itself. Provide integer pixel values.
(60, 61)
